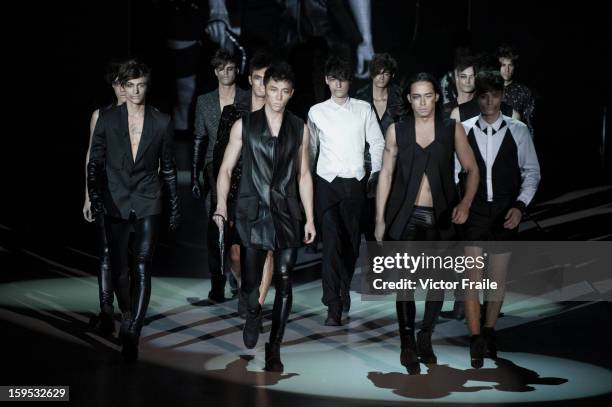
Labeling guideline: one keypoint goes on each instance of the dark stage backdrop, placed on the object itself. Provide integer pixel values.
(61, 49)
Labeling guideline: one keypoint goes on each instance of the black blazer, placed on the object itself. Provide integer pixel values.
(132, 185)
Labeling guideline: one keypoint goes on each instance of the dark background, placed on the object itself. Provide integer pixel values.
(59, 52)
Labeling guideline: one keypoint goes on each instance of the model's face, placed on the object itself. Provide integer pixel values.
(120, 92)
(490, 103)
(278, 94)
(337, 87)
(465, 80)
(382, 79)
(226, 75)
(506, 68)
(136, 89)
(256, 80)
(423, 98)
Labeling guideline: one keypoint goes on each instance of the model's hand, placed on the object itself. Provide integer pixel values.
(196, 188)
(460, 213)
(365, 53)
(216, 31)
(379, 230)
(513, 218)
(309, 232)
(87, 211)
(220, 217)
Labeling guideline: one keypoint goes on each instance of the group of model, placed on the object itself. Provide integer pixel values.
(390, 163)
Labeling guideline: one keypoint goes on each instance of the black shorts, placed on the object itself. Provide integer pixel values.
(486, 223)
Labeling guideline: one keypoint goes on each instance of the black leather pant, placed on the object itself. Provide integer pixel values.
(252, 268)
(105, 278)
(420, 227)
(135, 298)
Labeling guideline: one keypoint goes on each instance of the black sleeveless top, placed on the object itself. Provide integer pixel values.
(268, 213)
(437, 162)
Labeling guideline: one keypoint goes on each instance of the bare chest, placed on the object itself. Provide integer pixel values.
(135, 128)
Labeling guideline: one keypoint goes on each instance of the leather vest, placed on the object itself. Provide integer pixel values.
(268, 211)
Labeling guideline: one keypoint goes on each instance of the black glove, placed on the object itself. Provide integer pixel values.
(95, 171)
(199, 149)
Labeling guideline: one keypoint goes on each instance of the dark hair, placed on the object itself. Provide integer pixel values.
(382, 62)
(259, 60)
(463, 59)
(423, 77)
(488, 81)
(279, 71)
(507, 51)
(132, 69)
(112, 71)
(339, 68)
(222, 58)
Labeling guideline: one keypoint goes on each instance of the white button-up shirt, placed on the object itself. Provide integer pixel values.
(339, 133)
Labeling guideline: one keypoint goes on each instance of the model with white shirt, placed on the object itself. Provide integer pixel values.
(416, 200)
(339, 129)
(509, 178)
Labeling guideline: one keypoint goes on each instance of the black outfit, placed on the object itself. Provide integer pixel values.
(395, 111)
(405, 221)
(210, 125)
(130, 197)
(268, 213)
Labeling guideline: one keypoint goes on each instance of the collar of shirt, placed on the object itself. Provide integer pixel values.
(336, 106)
(495, 126)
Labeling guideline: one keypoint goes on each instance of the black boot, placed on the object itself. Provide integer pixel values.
(490, 345)
(126, 321)
(424, 349)
(242, 306)
(477, 346)
(103, 322)
(130, 344)
(217, 289)
(273, 360)
(252, 327)
(408, 357)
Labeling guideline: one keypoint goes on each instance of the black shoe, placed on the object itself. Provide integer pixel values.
(458, 311)
(424, 349)
(489, 337)
(334, 317)
(408, 356)
(273, 360)
(477, 348)
(252, 327)
(217, 289)
(130, 345)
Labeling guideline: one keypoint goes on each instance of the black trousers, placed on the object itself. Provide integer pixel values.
(252, 268)
(105, 279)
(421, 227)
(338, 205)
(133, 296)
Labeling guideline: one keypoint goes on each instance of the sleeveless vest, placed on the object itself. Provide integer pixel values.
(437, 161)
(268, 211)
